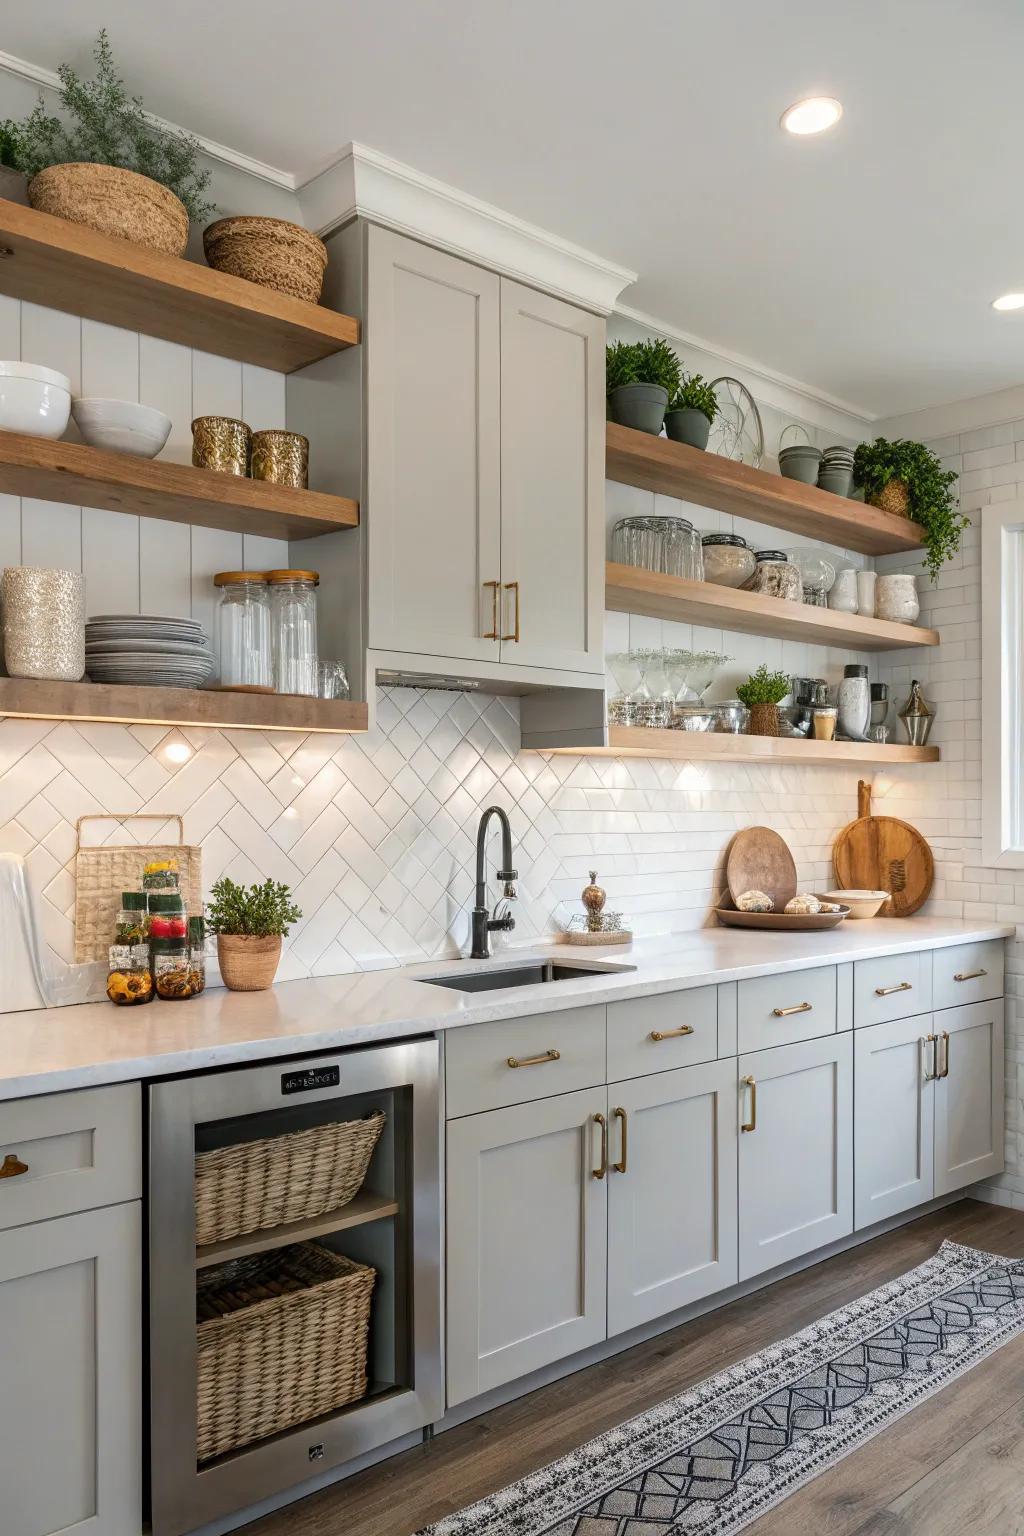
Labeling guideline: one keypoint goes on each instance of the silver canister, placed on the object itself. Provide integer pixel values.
(43, 623)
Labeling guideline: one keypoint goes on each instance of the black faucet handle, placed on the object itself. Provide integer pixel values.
(508, 875)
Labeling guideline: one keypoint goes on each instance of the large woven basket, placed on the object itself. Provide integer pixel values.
(114, 201)
(256, 1184)
(270, 252)
(281, 1339)
(102, 873)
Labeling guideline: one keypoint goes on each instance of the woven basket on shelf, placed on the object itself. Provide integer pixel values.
(270, 252)
(114, 201)
(281, 1339)
(894, 498)
(103, 872)
(764, 720)
(255, 1184)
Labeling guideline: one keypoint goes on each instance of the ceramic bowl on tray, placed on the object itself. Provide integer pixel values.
(122, 426)
(34, 400)
(860, 903)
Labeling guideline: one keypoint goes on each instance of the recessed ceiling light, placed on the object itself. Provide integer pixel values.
(1009, 301)
(813, 115)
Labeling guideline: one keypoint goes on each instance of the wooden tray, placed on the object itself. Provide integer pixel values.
(760, 860)
(795, 922)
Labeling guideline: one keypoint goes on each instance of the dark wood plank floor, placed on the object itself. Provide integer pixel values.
(955, 1464)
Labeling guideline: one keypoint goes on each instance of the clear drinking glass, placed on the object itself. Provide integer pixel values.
(243, 626)
(332, 680)
(293, 631)
(625, 672)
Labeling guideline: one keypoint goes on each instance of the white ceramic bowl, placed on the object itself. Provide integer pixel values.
(860, 903)
(33, 399)
(123, 426)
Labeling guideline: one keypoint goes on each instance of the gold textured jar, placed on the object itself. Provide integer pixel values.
(222, 443)
(281, 457)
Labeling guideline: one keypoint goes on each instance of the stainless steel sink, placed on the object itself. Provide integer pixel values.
(519, 976)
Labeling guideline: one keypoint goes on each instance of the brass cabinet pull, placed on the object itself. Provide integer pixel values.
(783, 1013)
(534, 1061)
(11, 1166)
(602, 1168)
(944, 1037)
(513, 586)
(492, 633)
(926, 1041)
(623, 1119)
(671, 1034)
(751, 1124)
(903, 986)
(969, 975)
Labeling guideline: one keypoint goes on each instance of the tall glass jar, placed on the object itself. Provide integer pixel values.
(293, 630)
(243, 625)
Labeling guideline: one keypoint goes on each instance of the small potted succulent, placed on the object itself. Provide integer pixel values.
(762, 693)
(250, 924)
(640, 377)
(907, 479)
(691, 411)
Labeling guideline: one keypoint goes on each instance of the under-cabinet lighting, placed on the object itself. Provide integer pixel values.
(812, 115)
(177, 751)
(1009, 301)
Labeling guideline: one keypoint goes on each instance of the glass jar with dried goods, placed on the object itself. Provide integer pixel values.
(167, 916)
(132, 926)
(172, 973)
(776, 576)
(129, 977)
(197, 954)
(160, 875)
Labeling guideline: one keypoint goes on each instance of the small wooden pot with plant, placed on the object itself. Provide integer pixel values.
(691, 411)
(250, 924)
(907, 479)
(762, 693)
(640, 377)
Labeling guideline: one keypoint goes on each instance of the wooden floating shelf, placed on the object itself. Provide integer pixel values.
(357, 1213)
(674, 469)
(628, 589)
(700, 746)
(67, 266)
(177, 493)
(33, 699)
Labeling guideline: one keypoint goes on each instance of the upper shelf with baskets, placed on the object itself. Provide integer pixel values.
(67, 266)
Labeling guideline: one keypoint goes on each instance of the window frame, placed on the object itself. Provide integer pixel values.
(1002, 685)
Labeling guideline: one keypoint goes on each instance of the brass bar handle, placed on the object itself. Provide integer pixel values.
(903, 986)
(783, 1013)
(944, 1037)
(534, 1061)
(602, 1168)
(926, 1041)
(623, 1119)
(492, 633)
(12, 1166)
(969, 975)
(671, 1034)
(751, 1124)
(513, 586)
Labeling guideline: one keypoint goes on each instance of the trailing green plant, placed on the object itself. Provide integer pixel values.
(9, 144)
(695, 394)
(930, 498)
(106, 126)
(259, 912)
(763, 687)
(642, 362)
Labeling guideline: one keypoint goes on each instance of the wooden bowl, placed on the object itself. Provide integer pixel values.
(797, 922)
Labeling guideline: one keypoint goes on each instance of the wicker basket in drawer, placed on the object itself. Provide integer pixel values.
(281, 1339)
(256, 1184)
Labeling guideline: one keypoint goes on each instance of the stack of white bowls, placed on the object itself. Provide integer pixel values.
(34, 400)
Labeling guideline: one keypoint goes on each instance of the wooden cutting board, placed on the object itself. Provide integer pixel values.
(880, 853)
(759, 860)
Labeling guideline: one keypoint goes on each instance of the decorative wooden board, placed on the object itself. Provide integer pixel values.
(884, 854)
(759, 860)
(796, 923)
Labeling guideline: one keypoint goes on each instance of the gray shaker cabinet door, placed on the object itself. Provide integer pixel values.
(433, 451)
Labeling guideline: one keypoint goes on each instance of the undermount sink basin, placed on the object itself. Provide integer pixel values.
(519, 976)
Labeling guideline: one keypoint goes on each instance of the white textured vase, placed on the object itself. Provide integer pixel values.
(896, 599)
(43, 616)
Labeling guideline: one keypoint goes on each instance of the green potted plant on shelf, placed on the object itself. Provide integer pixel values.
(907, 479)
(104, 163)
(762, 693)
(250, 924)
(691, 411)
(13, 185)
(640, 378)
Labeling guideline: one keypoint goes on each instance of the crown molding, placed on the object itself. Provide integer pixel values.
(49, 80)
(364, 183)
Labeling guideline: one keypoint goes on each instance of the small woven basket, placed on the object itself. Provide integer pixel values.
(764, 720)
(114, 201)
(255, 1184)
(281, 1339)
(894, 498)
(270, 252)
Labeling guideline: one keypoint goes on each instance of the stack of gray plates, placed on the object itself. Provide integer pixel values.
(147, 651)
(835, 473)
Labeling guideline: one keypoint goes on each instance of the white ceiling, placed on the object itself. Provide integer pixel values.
(861, 262)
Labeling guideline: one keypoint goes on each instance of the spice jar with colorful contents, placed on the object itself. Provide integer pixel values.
(129, 977)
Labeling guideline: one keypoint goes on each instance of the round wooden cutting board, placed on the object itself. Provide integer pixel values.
(881, 853)
(759, 860)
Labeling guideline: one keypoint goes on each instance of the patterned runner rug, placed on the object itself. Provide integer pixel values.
(710, 1461)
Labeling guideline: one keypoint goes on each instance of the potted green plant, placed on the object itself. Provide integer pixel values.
(762, 693)
(250, 924)
(640, 378)
(107, 165)
(906, 478)
(691, 411)
(13, 185)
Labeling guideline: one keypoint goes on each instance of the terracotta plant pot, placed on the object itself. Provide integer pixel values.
(893, 498)
(114, 201)
(270, 252)
(247, 964)
(764, 720)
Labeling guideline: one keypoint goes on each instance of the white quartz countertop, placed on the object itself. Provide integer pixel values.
(53, 1049)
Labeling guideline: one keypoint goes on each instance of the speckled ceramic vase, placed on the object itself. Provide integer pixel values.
(43, 615)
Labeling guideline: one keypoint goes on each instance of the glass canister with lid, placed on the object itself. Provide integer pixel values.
(293, 630)
(243, 627)
(728, 559)
(776, 576)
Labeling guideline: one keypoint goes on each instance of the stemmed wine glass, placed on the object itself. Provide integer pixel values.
(625, 670)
